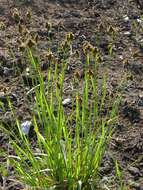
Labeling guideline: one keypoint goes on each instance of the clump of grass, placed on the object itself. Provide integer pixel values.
(69, 146)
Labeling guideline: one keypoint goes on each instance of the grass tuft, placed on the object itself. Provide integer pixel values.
(69, 145)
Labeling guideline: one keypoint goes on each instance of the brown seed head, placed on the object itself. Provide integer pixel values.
(2, 26)
(126, 61)
(79, 99)
(99, 59)
(88, 48)
(22, 46)
(50, 56)
(31, 43)
(111, 29)
(77, 74)
(58, 85)
(29, 14)
(35, 37)
(16, 15)
(48, 26)
(65, 45)
(95, 51)
(20, 28)
(70, 36)
(90, 73)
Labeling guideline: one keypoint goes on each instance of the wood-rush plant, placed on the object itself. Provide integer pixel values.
(70, 145)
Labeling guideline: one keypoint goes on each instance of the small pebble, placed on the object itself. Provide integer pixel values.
(121, 57)
(66, 101)
(127, 33)
(126, 18)
(139, 20)
(25, 127)
(140, 100)
(27, 69)
(6, 71)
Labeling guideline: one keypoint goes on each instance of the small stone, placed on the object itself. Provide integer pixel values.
(27, 69)
(82, 37)
(126, 18)
(25, 127)
(139, 20)
(127, 33)
(66, 101)
(104, 179)
(140, 100)
(121, 57)
(7, 71)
